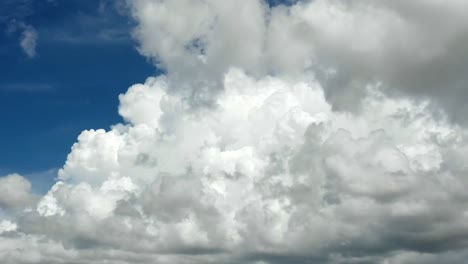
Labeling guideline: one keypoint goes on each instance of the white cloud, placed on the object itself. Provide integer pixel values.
(7, 226)
(267, 172)
(28, 41)
(28, 38)
(15, 191)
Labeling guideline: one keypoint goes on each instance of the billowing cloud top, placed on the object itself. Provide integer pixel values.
(320, 132)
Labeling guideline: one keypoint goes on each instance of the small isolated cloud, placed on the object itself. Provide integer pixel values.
(28, 36)
(28, 41)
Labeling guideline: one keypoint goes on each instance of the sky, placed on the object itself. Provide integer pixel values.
(256, 132)
(83, 59)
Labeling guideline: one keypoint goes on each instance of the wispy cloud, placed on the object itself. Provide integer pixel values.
(100, 36)
(28, 38)
(29, 41)
(15, 9)
(102, 25)
(14, 14)
(27, 87)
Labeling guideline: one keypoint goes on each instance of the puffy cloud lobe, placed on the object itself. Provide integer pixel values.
(271, 174)
(15, 192)
(395, 43)
(411, 48)
(198, 49)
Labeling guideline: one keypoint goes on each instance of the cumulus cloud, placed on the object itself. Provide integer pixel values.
(15, 191)
(414, 48)
(270, 174)
(238, 155)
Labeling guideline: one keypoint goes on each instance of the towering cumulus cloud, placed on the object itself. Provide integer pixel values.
(317, 132)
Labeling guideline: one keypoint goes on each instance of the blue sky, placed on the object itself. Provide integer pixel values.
(85, 57)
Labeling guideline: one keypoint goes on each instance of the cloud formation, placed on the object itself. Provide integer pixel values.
(412, 48)
(239, 155)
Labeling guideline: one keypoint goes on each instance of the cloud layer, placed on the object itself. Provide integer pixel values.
(239, 155)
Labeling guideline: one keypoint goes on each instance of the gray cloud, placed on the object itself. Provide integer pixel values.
(411, 49)
(15, 191)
